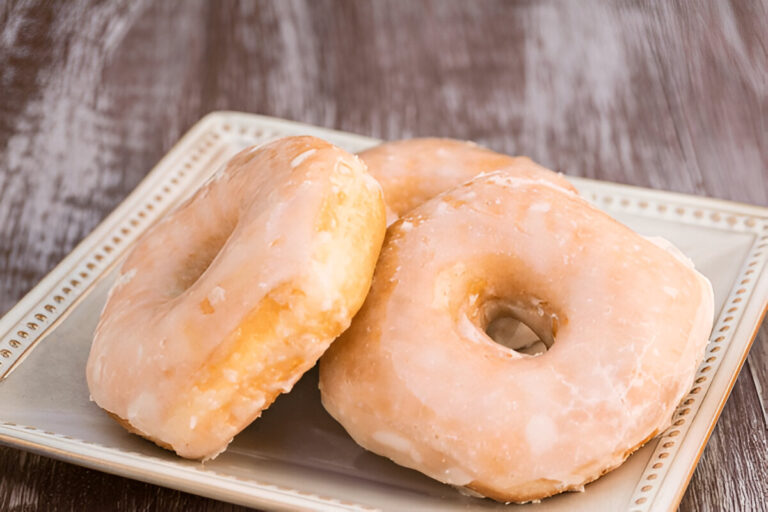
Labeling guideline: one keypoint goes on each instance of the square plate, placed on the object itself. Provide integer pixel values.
(296, 457)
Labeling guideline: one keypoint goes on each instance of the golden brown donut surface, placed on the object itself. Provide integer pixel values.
(416, 379)
(226, 302)
(414, 170)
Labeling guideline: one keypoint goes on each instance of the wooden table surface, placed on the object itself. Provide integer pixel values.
(669, 95)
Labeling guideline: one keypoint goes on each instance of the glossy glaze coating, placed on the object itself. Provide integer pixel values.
(412, 171)
(227, 301)
(416, 378)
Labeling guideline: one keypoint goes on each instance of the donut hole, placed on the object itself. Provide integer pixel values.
(529, 331)
(516, 335)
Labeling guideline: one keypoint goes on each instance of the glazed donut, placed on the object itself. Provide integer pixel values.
(415, 170)
(225, 303)
(417, 379)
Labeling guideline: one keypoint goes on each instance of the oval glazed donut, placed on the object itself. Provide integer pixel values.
(416, 379)
(415, 170)
(231, 298)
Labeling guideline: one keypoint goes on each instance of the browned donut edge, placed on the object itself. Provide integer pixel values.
(526, 498)
(133, 430)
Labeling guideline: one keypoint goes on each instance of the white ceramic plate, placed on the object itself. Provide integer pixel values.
(296, 457)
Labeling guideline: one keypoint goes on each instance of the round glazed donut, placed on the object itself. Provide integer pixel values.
(225, 303)
(415, 170)
(416, 379)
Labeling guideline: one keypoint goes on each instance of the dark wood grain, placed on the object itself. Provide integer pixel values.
(670, 95)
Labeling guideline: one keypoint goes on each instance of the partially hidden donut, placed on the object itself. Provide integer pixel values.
(226, 302)
(417, 379)
(412, 171)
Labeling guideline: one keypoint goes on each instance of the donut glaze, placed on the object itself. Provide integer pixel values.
(226, 302)
(415, 170)
(416, 379)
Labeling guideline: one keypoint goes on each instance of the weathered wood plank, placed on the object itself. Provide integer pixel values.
(669, 95)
